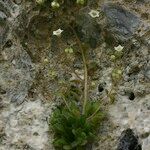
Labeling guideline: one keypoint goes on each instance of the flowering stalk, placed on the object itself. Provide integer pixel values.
(85, 83)
(85, 72)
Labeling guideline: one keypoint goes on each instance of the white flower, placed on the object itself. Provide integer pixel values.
(69, 50)
(46, 60)
(119, 48)
(55, 4)
(40, 1)
(94, 13)
(57, 32)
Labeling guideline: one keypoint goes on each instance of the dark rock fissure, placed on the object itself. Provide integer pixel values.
(129, 141)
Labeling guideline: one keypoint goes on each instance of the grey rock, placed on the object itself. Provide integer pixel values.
(2, 17)
(18, 1)
(4, 14)
(16, 69)
(121, 24)
(3, 31)
(17, 78)
(87, 28)
(129, 141)
(147, 74)
(26, 37)
(143, 1)
(37, 32)
(5, 7)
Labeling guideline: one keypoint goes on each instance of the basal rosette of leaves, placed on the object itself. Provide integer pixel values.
(74, 130)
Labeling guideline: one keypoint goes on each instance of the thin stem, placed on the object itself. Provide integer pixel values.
(66, 103)
(95, 111)
(85, 71)
(99, 106)
(71, 67)
(85, 83)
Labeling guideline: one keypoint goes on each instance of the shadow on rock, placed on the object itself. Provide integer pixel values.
(129, 141)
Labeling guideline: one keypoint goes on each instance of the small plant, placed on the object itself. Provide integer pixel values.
(73, 130)
(75, 123)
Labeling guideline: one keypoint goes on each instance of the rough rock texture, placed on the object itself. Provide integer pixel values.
(121, 23)
(131, 110)
(88, 29)
(4, 13)
(23, 122)
(33, 71)
(128, 141)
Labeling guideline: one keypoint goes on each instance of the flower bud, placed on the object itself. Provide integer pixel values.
(55, 4)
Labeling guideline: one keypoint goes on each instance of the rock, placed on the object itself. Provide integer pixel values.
(26, 79)
(5, 7)
(22, 125)
(3, 27)
(143, 1)
(2, 17)
(17, 70)
(2, 91)
(37, 37)
(87, 28)
(147, 73)
(121, 24)
(129, 141)
(25, 125)
(5, 12)
(17, 78)
(18, 1)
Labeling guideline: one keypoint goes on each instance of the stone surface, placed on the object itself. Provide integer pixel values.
(26, 126)
(23, 121)
(88, 29)
(129, 141)
(3, 24)
(121, 23)
(32, 73)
